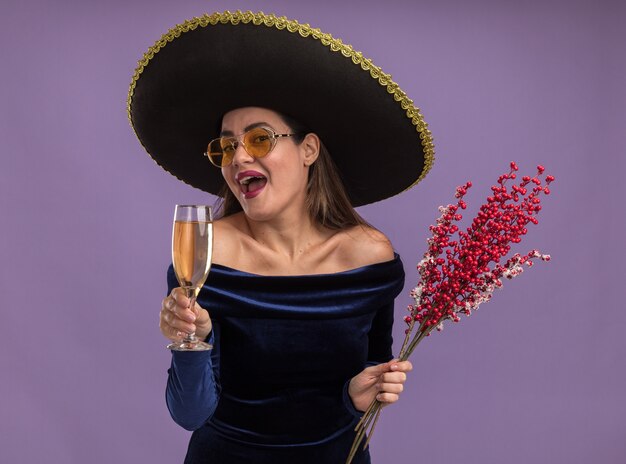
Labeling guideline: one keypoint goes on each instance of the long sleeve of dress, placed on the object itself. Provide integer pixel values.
(380, 342)
(380, 336)
(192, 391)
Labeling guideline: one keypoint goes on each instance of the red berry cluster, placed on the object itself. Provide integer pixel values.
(458, 274)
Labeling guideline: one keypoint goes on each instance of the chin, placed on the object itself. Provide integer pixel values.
(258, 214)
(266, 206)
(264, 213)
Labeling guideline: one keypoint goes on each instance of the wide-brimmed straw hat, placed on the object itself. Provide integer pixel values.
(207, 66)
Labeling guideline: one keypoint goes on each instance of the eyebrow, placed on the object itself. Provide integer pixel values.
(228, 133)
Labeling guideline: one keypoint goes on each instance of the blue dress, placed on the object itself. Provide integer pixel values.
(274, 387)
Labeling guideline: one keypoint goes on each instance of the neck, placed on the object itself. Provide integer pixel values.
(289, 236)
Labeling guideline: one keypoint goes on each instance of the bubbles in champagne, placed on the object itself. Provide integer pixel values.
(191, 252)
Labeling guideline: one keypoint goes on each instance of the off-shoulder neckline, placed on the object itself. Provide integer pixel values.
(396, 258)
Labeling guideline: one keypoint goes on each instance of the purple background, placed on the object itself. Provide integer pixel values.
(536, 376)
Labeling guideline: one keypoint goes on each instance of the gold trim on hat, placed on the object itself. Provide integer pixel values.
(305, 30)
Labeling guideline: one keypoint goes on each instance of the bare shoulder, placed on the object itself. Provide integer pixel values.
(225, 226)
(228, 235)
(363, 245)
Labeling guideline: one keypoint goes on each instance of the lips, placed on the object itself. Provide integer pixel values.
(251, 183)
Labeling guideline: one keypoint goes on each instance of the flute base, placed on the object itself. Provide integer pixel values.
(189, 346)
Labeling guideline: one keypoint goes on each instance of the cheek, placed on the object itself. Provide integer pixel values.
(291, 181)
(232, 185)
(291, 173)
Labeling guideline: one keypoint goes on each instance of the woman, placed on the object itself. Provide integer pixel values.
(299, 301)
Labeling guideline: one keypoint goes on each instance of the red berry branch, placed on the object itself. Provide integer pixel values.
(458, 273)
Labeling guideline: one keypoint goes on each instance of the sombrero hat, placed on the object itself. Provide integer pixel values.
(207, 66)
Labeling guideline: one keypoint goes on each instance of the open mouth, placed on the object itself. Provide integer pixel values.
(252, 184)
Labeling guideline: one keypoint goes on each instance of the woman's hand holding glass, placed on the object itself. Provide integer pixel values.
(192, 250)
(177, 318)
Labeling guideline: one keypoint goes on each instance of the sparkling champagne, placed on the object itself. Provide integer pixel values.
(192, 247)
(191, 252)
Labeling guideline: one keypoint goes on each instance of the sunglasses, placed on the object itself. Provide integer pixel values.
(257, 142)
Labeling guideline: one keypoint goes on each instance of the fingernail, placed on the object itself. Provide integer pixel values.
(170, 303)
(394, 366)
(179, 334)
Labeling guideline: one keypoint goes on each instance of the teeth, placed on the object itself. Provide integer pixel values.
(246, 180)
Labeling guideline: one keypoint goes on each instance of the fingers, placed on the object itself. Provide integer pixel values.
(175, 318)
(379, 369)
(171, 333)
(389, 392)
(387, 398)
(400, 366)
(174, 328)
(178, 295)
(171, 319)
(178, 304)
(393, 377)
(393, 365)
(392, 381)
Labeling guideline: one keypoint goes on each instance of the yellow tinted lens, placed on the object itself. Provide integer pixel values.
(228, 149)
(221, 151)
(258, 142)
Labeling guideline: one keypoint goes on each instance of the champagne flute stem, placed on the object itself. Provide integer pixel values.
(191, 337)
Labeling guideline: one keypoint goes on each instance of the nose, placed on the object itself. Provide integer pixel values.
(241, 156)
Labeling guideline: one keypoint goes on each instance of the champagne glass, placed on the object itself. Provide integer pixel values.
(192, 246)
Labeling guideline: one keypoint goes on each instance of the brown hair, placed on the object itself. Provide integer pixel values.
(327, 200)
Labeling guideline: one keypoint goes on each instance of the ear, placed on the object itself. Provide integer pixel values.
(311, 147)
